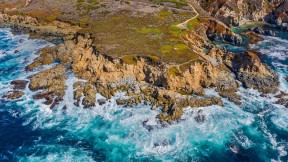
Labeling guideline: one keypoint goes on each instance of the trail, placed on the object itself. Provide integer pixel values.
(184, 24)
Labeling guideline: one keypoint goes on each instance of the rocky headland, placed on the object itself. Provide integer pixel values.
(144, 78)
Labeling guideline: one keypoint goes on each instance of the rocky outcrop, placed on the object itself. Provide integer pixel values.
(84, 93)
(234, 13)
(15, 94)
(252, 73)
(171, 87)
(33, 26)
(52, 84)
(219, 32)
(261, 31)
(19, 84)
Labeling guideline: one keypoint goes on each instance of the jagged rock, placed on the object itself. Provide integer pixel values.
(253, 37)
(19, 84)
(252, 73)
(87, 91)
(200, 118)
(52, 84)
(101, 101)
(283, 101)
(232, 97)
(219, 32)
(261, 31)
(281, 95)
(143, 80)
(175, 111)
(13, 95)
(47, 57)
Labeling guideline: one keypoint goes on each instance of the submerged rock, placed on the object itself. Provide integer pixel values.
(283, 101)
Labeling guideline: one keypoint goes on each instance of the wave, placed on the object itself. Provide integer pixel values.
(255, 131)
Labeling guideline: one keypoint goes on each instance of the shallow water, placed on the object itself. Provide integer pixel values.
(30, 131)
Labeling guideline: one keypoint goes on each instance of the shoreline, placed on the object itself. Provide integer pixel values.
(173, 88)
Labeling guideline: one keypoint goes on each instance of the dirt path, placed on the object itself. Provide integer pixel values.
(184, 24)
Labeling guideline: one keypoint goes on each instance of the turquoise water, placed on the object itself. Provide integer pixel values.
(30, 131)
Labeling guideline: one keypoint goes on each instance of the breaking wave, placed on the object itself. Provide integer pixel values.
(30, 131)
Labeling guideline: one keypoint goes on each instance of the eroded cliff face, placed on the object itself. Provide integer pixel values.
(172, 87)
(237, 12)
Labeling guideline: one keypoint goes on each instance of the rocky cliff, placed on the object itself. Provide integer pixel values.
(237, 12)
(170, 85)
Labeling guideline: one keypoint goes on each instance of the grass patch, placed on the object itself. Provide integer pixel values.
(130, 59)
(149, 30)
(194, 23)
(173, 71)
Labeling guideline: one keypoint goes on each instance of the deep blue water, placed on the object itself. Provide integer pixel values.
(30, 131)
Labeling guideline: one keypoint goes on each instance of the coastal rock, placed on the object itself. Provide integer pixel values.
(175, 111)
(167, 86)
(232, 97)
(200, 118)
(261, 31)
(51, 82)
(19, 84)
(47, 57)
(86, 93)
(253, 37)
(219, 32)
(283, 101)
(13, 95)
(252, 73)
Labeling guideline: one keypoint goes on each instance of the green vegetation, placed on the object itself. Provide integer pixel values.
(194, 23)
(130, 59)
(127, 31)
(142, 34)
(177, 3)
(173, 71)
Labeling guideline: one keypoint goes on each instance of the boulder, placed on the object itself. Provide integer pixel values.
(19, 84)
(13, 95)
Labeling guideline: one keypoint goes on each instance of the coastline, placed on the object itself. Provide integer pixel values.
(142, 78)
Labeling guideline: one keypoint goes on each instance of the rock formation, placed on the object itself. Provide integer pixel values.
(172, 87)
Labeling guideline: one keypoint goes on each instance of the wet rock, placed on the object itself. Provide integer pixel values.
(101, 101)
(16, 51)
(283, 101)
(252, 73)
(261, 31)
(200, 118)
(174, 111)
(130, 100)
(13, 95)
(21, 40)
(47, 57)
(232, 97)
(87, 91)
(253, 37)
(147, 126)
(19, 84)
(234, 148)
(51, 82)
(281, 95)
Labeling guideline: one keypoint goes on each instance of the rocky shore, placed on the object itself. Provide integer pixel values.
(169, 86)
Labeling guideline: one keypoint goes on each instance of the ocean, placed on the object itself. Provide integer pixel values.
(30, 131)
